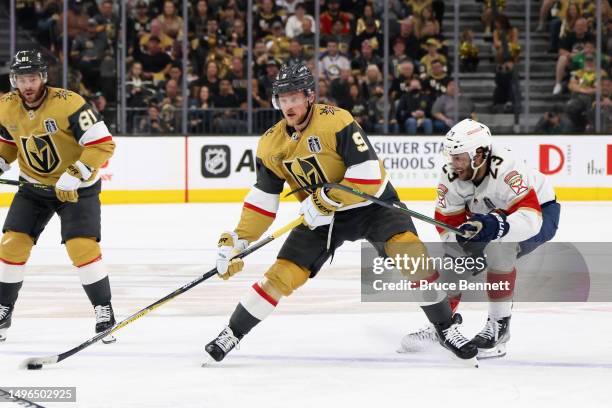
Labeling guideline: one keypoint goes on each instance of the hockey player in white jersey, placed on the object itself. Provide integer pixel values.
(488, 192)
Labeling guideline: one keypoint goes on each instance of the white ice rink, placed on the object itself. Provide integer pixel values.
(320, 348)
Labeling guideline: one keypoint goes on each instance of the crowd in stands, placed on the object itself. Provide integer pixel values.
(422, 95)
(571, 25)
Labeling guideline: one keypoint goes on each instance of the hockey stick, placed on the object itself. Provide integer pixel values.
(395, 205)
(36, 363)
(20, 183)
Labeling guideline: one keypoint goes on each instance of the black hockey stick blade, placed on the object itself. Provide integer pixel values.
(394, 205)
(36, 363)
(20, 183)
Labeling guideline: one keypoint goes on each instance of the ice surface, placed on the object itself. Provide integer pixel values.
(320, 348)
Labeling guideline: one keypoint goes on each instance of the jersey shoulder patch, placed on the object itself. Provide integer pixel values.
(334, 114)
(69, 100)
(441, 190)
(10, 97)
(516, 182)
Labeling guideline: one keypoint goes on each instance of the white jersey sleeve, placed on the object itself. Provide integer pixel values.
(514, 190)
(451, 204)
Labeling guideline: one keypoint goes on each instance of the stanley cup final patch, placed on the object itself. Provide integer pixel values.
(515, 181)
(314, 144)
(50, 125)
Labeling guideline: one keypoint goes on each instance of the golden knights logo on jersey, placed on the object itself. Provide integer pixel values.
(306, 171)
(41, 153)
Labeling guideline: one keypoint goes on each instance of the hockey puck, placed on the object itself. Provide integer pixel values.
(34, 366)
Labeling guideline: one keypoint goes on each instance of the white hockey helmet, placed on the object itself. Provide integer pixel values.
(468, 136)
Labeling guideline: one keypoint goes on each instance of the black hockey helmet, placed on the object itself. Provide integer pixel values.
(28, 62)
(292, 78)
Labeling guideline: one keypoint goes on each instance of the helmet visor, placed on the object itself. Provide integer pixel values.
(22, 80)
(289, 100)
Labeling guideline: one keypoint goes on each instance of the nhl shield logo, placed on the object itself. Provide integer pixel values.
(216, 161)
(50, 125)
(314, 144)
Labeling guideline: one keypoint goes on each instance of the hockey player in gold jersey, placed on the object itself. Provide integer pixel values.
(317, 143)
(58, 140)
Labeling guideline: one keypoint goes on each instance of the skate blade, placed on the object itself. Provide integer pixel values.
(109, 339)
(495, 352)
(414, 348)
(3, 335)
(470, 362)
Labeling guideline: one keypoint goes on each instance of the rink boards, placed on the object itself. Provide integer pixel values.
(222, 168)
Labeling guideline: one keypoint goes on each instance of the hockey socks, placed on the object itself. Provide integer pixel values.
(94, 279)
(255, 307)
(11, 280)
(500, 301)
(438, 313)
(9, 292)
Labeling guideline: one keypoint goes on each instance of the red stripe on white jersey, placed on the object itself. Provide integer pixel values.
(363, 181)
(259, 210)
(95, 142)
(96, 132)
(368, 170)
(262, 200)
(530, 200)
(454, 220)
(8, 142)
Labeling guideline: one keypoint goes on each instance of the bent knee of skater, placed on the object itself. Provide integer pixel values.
(15, 247)
(284, 277)
(83, 250)
(407, 249)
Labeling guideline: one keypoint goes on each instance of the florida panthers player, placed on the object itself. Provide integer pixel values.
(489, 193)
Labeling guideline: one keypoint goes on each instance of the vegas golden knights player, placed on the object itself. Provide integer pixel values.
(58, 140)
(317, 143)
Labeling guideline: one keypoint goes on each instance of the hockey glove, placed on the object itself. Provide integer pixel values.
(482, 229)
(229, 245)
(318, 209)
(69, 182)
(4, 166)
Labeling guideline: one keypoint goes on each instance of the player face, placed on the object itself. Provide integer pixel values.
(294, 106)
(462, 166)
(30, 86)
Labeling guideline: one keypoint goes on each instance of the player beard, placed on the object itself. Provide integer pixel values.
(293, 119)
(464, 174)
(32, 96)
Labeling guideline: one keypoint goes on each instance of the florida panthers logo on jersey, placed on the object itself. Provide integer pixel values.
(515, 181)
(41, 153)
(306, 171)
(442, 190)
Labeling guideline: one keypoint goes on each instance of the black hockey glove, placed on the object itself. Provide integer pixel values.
(482, 229)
